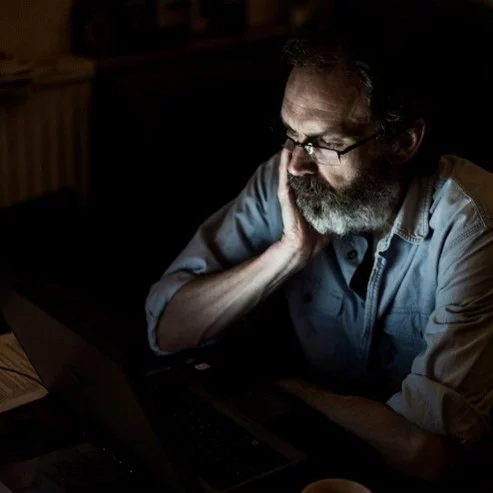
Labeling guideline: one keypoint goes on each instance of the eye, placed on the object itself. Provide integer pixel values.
(333, 146)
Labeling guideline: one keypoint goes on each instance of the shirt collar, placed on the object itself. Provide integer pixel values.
(412, 220)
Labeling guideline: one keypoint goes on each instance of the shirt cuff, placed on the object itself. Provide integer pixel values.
(439, 409)
(159, 296)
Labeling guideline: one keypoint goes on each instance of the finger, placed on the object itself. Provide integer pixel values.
(283, 171)
(285, 156)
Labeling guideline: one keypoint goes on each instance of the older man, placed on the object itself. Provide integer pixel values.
(382, 250)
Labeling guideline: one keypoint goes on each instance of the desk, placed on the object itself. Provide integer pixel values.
(331, 452)
(42, 427)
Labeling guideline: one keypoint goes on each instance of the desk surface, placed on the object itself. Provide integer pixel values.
(45, 426)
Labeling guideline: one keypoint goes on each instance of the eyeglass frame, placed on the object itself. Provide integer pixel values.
(310, 146)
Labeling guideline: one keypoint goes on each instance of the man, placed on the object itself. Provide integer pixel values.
(382, 250)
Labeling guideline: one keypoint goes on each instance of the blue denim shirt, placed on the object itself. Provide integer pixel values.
(424, 330)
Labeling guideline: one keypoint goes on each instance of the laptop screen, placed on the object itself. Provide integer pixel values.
(93, 385)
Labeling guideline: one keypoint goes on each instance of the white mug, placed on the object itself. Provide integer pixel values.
(335, 485)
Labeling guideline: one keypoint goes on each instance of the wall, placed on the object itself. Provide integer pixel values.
(39, 28)
(489, 3)
(34, 28)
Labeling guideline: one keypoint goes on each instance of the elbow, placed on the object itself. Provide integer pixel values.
(170, 347)
(170, 340)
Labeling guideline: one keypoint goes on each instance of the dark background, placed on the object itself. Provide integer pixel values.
(178, 132)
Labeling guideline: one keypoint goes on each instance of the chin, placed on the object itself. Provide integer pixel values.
(340, 223)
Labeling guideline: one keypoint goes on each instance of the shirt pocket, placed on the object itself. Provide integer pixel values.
(324, 298)
(316, 306)
(321, 328)
(405, 323)
(400, 339)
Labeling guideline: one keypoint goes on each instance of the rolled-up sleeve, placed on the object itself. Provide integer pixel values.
(450, 388)
(237, 232)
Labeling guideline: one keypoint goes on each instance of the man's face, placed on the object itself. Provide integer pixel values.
(356, 193)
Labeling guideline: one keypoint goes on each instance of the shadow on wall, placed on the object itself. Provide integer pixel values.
(466, 91)
(453, 43)
(175, 140)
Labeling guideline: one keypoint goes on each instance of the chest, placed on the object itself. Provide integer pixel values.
(378, 328)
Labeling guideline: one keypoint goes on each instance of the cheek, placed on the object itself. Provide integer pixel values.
(338, 177)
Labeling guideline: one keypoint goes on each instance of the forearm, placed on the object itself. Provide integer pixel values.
(403, 445)
(394, 437)
(205, 306)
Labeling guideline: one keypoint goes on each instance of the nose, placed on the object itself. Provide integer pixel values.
(300, 163)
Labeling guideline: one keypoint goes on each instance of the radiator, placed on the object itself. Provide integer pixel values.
(44, 132)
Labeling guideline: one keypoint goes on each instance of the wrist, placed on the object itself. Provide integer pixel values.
(295, 254)
(289, 253)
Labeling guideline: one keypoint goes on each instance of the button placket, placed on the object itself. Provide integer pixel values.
(372, 304)
(351, 255)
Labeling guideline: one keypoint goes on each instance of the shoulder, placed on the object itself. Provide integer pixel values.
(261, 190)
(266, 177)
(462, 198)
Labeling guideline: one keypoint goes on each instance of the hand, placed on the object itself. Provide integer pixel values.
(293, 386)
(298, 235)
(297, 387)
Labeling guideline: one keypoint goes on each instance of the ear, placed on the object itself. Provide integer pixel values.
(408, 143)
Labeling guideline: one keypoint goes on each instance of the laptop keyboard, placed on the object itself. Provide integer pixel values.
(219, 450)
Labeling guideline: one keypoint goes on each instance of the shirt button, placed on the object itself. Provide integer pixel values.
(351, 255)
(306, 298)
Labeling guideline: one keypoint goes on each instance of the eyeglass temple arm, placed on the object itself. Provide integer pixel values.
(360, 143)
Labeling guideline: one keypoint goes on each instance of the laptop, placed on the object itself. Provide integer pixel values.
(177, 419)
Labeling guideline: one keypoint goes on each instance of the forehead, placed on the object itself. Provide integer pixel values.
(335, 100)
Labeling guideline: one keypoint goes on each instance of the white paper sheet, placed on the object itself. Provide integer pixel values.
(16, 389)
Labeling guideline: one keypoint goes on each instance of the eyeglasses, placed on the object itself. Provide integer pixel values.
(324, 155)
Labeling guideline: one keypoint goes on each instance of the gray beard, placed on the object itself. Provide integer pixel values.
(367, 205)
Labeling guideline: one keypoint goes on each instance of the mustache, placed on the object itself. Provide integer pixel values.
(310, 185)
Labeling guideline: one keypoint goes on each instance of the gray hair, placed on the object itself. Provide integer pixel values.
(385, 69)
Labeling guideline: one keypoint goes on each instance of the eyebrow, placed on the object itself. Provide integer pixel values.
(350, 131)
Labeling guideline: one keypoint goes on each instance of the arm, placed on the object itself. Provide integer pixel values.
(206, 305)
(408, 448)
